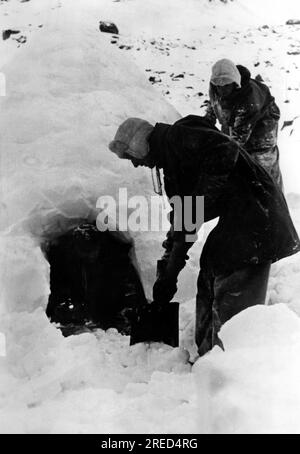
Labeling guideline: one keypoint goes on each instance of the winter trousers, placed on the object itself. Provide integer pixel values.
(220, 297)
(269, 160)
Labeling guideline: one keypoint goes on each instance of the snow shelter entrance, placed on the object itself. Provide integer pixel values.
(93, 282)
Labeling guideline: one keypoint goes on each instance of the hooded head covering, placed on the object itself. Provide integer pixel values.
(132, 139)
(225, 72)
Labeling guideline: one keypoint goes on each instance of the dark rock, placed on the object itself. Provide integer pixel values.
(257, 64)
(293, 22)
(265, 26)
(108, 27)
(22, 39)
(154, 79)
(296, 52)
(7, 33)
(179, 76)
(199, 93)
(123, 46)
(289, 122)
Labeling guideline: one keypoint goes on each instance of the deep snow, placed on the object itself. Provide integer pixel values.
(68, 88)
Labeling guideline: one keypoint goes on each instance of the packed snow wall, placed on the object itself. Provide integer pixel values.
(66, 93)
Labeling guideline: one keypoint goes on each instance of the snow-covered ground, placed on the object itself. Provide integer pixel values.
(67, 88)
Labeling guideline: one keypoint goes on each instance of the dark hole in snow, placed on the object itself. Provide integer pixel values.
(93, 281)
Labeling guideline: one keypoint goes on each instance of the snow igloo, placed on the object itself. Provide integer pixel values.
(67, 91)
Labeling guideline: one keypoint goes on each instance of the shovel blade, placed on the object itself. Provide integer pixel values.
(154, 323)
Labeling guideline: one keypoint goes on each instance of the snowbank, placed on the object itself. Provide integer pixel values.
(67, 91)
(91, 383)
(98, 384)
(254, 386)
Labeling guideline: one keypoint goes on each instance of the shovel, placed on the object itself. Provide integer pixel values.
(153, 322)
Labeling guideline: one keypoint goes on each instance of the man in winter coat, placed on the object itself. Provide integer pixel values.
(254, 227)
(247, 112)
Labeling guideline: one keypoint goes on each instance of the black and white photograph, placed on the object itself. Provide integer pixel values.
(149, 219)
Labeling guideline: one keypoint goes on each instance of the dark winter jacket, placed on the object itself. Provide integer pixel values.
(254, 221)
(250, 116)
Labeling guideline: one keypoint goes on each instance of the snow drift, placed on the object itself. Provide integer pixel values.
(66, 94)
(253, 387)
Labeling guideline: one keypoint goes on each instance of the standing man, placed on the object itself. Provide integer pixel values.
(254, 227)
(247, 112)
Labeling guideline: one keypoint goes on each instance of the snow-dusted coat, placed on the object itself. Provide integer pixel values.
(254, 221)
(250, 116)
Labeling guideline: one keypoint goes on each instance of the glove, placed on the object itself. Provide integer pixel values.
(164, 289)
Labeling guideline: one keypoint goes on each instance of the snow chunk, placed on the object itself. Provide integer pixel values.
(252, 387)
(24, 275)
(260, 327)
